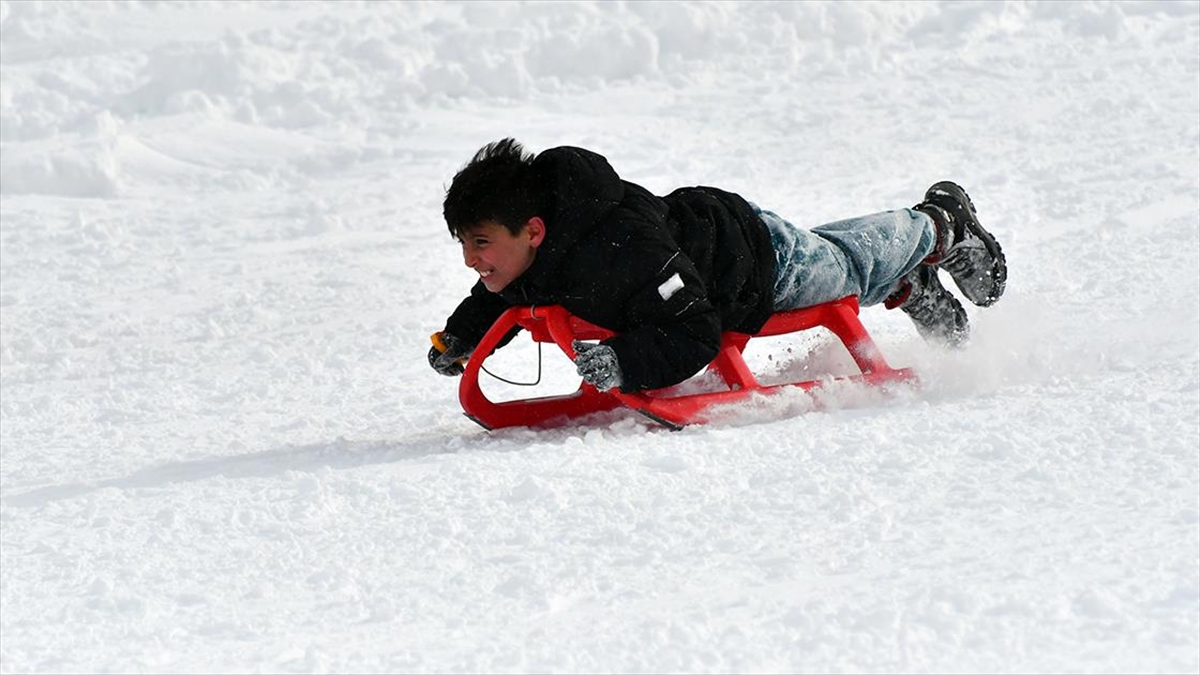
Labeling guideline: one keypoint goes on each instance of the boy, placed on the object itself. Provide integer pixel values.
(670, 274)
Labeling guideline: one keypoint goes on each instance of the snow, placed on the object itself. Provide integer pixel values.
(222, 254)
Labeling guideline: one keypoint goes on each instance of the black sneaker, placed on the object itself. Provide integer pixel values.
(964, 249)
(939, 316)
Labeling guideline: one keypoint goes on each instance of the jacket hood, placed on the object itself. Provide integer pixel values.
(581, 188)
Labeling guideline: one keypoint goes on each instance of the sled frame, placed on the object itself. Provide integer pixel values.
(554, 324)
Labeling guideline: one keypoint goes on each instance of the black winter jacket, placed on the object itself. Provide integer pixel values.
(667, 274)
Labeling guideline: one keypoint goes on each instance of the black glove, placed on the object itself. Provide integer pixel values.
(597, 364)
(450, 361)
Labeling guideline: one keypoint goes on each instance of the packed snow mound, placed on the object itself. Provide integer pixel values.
(298, 70)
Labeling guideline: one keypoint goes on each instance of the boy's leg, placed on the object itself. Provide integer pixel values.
(863, 256)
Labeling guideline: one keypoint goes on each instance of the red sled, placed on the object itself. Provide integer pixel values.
(556, 325)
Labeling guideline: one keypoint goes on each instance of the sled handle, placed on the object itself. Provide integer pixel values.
(544, 324)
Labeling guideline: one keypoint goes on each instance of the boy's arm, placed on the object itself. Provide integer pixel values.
(476, 314)
(676, 330)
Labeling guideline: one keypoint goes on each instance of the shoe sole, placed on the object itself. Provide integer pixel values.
(999, 267)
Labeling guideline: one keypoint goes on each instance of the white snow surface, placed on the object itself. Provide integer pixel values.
(222, 256)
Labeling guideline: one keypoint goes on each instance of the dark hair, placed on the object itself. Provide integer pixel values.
(497, 184)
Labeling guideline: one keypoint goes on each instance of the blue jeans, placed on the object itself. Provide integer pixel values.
(862, 256)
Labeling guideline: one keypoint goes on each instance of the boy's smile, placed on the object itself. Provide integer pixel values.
(498, 255)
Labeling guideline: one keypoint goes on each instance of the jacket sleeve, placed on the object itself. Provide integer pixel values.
(674, 329)
(476, 314)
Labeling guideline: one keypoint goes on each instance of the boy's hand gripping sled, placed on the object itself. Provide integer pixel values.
(554, 324)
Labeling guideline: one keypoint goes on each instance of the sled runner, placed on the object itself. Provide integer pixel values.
(556, 325)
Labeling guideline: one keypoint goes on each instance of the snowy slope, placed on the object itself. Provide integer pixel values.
(221, 256)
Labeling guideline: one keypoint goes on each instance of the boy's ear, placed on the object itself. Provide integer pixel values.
(536, 227)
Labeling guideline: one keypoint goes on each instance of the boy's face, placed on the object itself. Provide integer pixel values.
(498, 255)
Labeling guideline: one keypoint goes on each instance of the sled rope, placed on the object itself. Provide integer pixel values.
(520, 384)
